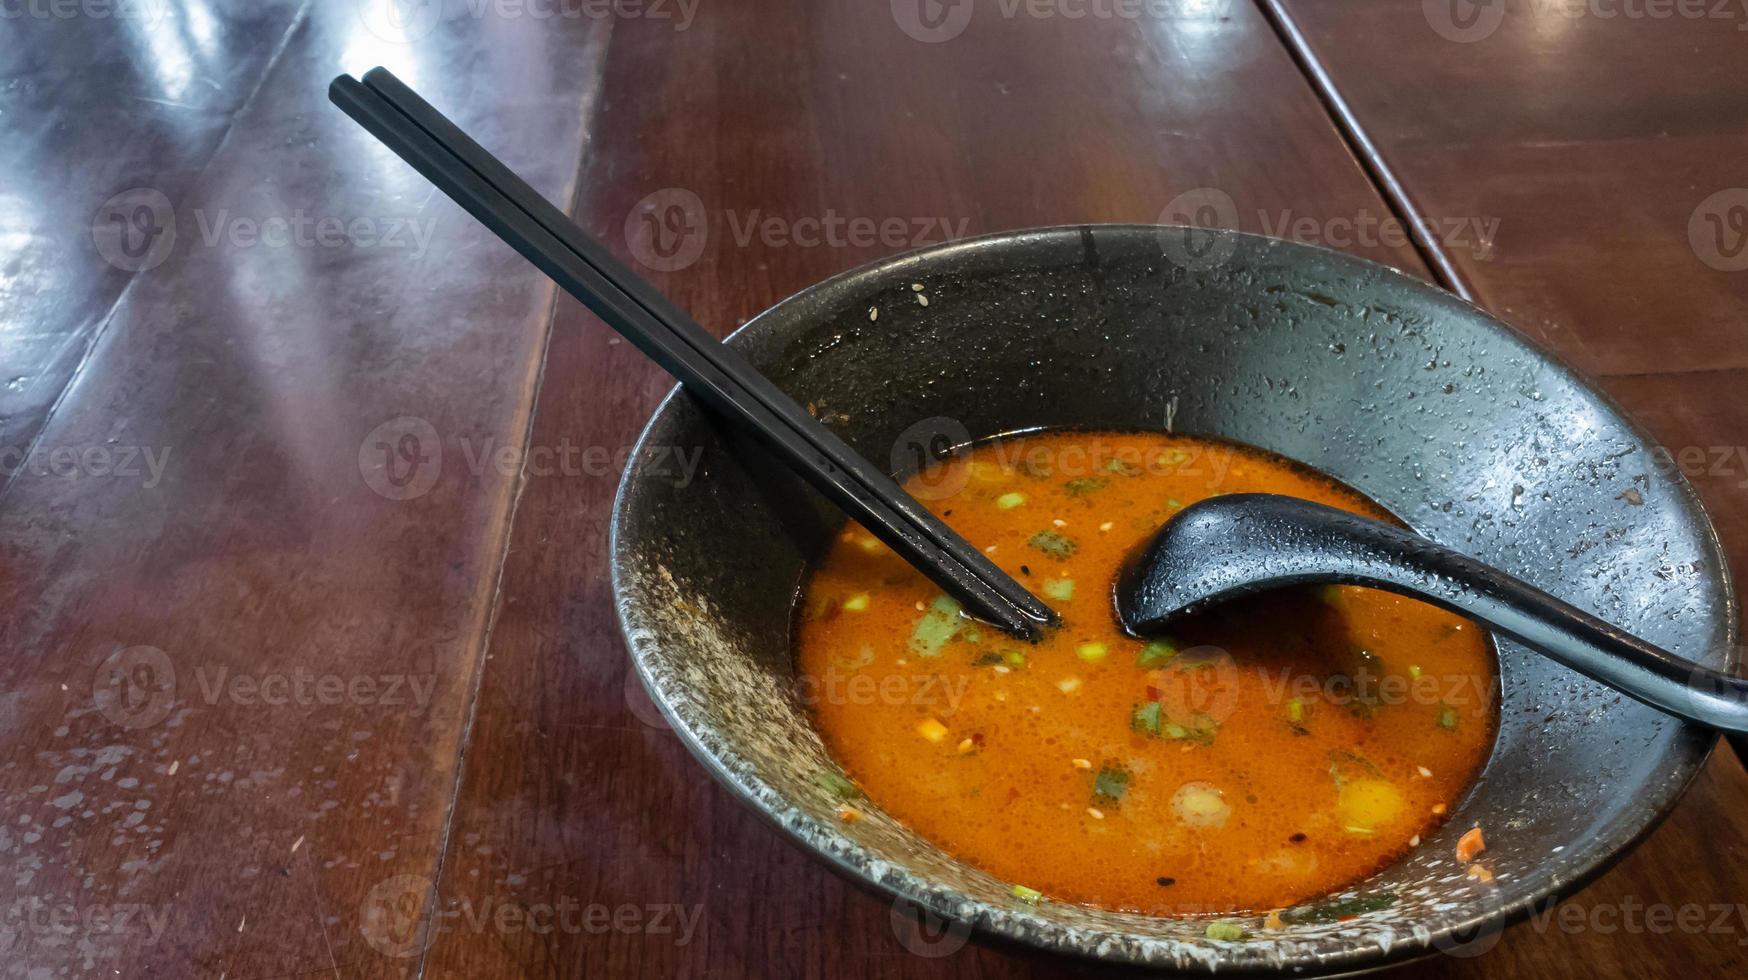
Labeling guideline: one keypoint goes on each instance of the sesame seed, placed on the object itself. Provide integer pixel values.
(920, 298)
(873, 312)
(1082, 764)
(1095, 813)
(1059, 522)
(917, 286)
(1106, 526)
(1425, 773)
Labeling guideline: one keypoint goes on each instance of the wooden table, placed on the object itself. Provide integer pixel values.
(310, 664)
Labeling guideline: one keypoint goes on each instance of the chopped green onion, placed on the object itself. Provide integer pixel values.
(1295, 711)
(1226, 931)
(1025, 894)
(935, 627)
(1115, 465)
(857, 603)
(971, 636)
(1414, 671)
(1171, 457)
(1447, 717)
(1085, 485)
(1175, 504)
(1015, 658)
(1059, 588)
(1092, 653)
(1008, 501)
(836, 784)
(1145, 718)
(1157, 653)
(1110, 783)
(1053, 544)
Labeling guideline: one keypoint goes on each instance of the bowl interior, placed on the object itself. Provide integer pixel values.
(1398, 389)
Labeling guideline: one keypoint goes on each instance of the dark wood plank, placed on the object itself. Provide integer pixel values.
(1605, 148)
(1599, 144)
(100, 116)
(237, 675)
(574, 794)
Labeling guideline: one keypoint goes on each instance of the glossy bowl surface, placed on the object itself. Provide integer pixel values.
(1441, 413)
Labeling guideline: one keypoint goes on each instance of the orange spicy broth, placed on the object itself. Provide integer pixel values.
(1263, 754)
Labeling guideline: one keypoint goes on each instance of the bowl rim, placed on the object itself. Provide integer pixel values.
(1693, 744)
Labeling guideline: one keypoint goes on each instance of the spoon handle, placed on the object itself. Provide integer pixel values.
(1366, 552)
(1237, 544)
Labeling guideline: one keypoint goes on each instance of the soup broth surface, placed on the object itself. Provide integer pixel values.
(1263, 754)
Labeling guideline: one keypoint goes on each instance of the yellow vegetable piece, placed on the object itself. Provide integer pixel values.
(1363, 805)
(932, 730)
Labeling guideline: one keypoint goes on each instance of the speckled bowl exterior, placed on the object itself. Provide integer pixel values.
(1436, 410)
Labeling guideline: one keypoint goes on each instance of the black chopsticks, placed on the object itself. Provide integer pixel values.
(713, 372)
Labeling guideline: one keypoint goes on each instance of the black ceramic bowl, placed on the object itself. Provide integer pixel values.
(1428, 405)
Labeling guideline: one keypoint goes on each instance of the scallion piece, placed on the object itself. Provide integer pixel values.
(1053, 544)
(1008, 501)
(1059, 588)
(1230, 932)
(1025, 894)
(1447, 717)
(935, 627)
(837, 784)
(1085, 485)
(1092, 653)
(1110, 783)
(1156, 654)
(1145, 718)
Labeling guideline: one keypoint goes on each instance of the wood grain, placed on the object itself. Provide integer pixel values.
(89, 118)
(236, 684)
(575, 792)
